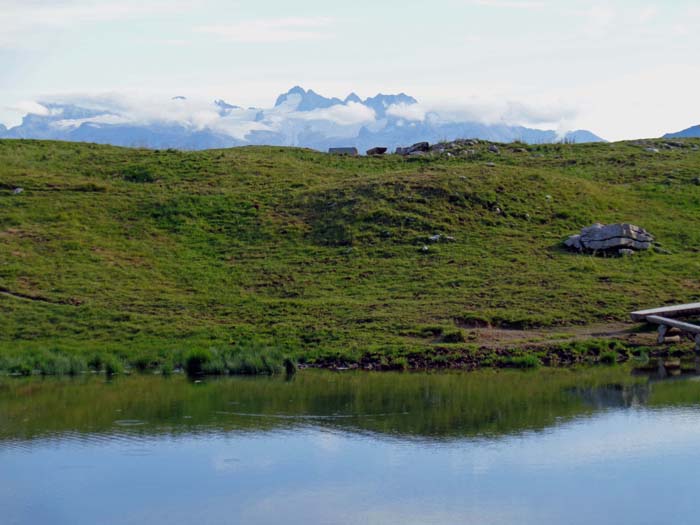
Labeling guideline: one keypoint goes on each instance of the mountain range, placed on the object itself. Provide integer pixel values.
(299, 117)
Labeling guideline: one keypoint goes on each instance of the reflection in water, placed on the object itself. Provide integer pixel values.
(433, 406)
(491, 447)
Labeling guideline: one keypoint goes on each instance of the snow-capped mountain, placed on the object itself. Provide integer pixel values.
(298, 118)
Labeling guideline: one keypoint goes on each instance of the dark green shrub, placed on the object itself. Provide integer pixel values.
(525, 361)
(608, 358)
(456, 336)
(113, 366)
(96, 362)
(195, 361)
(138, 174)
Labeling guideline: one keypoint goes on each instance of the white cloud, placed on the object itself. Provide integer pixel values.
(30, 107)
(509, 4)
(22, 22)
(271, 30)
(648, 14)
(487, 111)
(340, 120)
(345, 115)
(408, 111)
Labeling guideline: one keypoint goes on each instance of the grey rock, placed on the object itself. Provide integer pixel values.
(574, 243)
(490, 165)
(652, 150)
(625, 252)
(674, 145)
(610, 238)
(376, 151)
(435, 238)
(352, 152)
(419, 146)
(494, 149)
(17, 191)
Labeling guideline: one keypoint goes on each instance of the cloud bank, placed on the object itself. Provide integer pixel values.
(299, 118)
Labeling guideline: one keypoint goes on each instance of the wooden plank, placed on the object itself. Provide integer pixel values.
(665, 321)
(679, 310)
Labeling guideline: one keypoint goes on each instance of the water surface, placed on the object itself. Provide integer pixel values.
(556, 446)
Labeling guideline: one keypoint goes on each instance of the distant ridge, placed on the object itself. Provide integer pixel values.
(299, 117)
(692, 132)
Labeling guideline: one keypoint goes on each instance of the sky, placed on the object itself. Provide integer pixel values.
(620, 68)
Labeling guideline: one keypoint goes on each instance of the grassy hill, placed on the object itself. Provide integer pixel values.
(151, 258)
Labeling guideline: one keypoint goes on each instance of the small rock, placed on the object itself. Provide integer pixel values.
(548, 197)
(449, 238)
(675, 145)
(625, 252)
(652, 150)
(494, 149)
(17, 191)
(435, 238)
(490, 165)
(696, 181)
(425, 248)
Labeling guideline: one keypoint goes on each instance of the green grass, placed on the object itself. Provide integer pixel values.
(148, 256)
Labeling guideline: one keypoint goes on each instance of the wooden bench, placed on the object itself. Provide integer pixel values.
(679, 310)
(666, 323)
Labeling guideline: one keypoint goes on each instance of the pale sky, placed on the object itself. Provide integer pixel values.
(620, 68)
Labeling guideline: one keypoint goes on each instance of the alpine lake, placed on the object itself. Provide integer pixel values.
(605, 445)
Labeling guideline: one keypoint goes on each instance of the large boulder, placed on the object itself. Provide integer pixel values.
(611, 238)
(376, 151)
(419, 147)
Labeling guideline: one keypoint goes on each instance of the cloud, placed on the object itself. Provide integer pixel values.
(509, 4)
(271, 30)
(339, 121)
(600, 17)
(344, 115)
(22, 22)
(487, 111)
(30, 107)
(413, 112)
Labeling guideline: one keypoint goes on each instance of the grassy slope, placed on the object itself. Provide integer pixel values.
(155, 252)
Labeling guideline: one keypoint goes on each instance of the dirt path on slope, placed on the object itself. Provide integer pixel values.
(499, 338)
